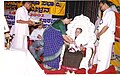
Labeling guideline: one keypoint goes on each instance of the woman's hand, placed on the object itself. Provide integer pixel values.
(39, 36)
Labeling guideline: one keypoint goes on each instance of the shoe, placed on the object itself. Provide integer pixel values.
(39, 61)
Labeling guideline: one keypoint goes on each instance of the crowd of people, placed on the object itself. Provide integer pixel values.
(48, 42)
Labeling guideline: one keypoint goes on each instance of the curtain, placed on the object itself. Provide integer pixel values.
(87, 8)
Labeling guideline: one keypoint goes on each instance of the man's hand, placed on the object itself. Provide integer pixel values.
(98, 36)
(29, 22)
(39, 36)
(104, 29)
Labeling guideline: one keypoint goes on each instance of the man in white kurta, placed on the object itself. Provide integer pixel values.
(21, 26)
(106, 38)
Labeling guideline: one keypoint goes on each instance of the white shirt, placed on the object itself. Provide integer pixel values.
(108, 19)
(35, 33)
(81, 40)
(21, 14)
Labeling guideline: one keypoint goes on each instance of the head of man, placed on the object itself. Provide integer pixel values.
(27, 4)
(78, 31)
(104, 4)
(40, 25)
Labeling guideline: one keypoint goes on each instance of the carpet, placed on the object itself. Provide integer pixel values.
(110, 70)
(61, 71)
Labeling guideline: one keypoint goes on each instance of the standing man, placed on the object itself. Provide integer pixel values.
(105, 36)
(21, 26)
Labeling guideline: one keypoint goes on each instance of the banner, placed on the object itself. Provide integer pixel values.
(45, 18)
(116, 2)
(52, 8)
(45, 7)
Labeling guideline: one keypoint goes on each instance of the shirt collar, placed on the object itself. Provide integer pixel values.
(24, 8)
(109, 9)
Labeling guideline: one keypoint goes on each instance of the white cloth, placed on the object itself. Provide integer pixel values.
(103, 55)
(85, 61)
(19, 42)
(88, 43)
(6, 28)
(12, 30)
(21, 14)
(18, 63)
(108, 19)
(79, 40)
(89, 46)
(35, 33)
(21, 30)
(104, 49)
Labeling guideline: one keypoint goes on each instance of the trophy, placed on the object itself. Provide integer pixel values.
(36, 21)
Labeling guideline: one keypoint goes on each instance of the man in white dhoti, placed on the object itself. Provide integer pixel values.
(105, 36)
(21, 26)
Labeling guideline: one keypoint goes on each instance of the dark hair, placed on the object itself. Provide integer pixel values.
(23, 2)
(107, 2)
(79, 29)
(67, 15)
(39, 23)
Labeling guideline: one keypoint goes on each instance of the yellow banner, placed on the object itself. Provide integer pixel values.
(116, 62)
(45, 7)
(52, 7)
(116, 2)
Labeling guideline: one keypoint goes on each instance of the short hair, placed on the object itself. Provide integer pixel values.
(67, 15)
(107, 2)
(23, 2)
(79, 29)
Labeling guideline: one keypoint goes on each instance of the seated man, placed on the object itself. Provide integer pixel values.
(36, 48)
(78, 46)
(73, 53)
